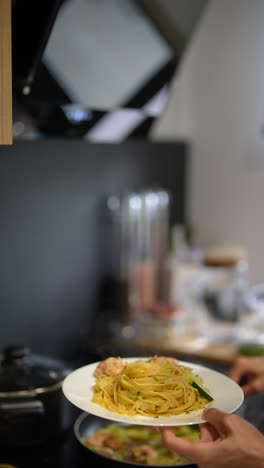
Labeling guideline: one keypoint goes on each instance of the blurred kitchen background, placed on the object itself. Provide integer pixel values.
(131, 197)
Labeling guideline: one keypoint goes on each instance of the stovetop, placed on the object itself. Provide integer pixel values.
(66, 452)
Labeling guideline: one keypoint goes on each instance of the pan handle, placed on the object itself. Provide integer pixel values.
(18, 411)
(35, 406)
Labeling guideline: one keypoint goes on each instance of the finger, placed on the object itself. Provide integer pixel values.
(218, 419)
(248, 389)
(254, 386)
(207, 433)
(239, 369)
(180, 445)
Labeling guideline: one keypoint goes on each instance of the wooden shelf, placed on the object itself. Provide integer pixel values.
(6, 124)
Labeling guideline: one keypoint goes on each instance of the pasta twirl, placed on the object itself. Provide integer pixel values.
(155, 387)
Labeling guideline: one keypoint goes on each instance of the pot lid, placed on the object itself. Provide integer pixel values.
(22, 371)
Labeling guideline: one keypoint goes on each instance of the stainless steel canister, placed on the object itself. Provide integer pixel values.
(141, 224)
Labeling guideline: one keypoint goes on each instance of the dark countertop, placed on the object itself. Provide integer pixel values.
(65, 453)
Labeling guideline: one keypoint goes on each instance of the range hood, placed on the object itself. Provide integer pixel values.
(84, 68)
(29, 39)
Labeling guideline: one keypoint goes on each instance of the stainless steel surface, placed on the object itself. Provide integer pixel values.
(141, 222)
(31, 393)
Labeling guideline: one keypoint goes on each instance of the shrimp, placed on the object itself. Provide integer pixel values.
(144, 453)
(105, 442)
(110, 366)
(107, 452)
(97, 439)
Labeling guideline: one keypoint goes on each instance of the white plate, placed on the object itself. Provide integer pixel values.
(228, 396)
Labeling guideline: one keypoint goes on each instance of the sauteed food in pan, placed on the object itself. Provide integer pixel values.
(137, 444)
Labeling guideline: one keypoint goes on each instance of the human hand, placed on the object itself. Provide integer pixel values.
(226, 441)
(249, 373)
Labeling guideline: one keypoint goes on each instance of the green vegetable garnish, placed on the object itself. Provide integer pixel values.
(201, 391)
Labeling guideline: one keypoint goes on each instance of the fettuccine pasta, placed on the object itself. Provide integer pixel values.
(154, 387)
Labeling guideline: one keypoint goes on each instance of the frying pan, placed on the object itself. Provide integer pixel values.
(86, 424)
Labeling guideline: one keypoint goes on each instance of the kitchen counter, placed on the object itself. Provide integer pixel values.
(190, 347)
(213, 343)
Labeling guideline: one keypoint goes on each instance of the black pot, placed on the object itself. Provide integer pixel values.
(33, 408)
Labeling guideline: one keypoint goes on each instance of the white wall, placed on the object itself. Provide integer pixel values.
(217, 103)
